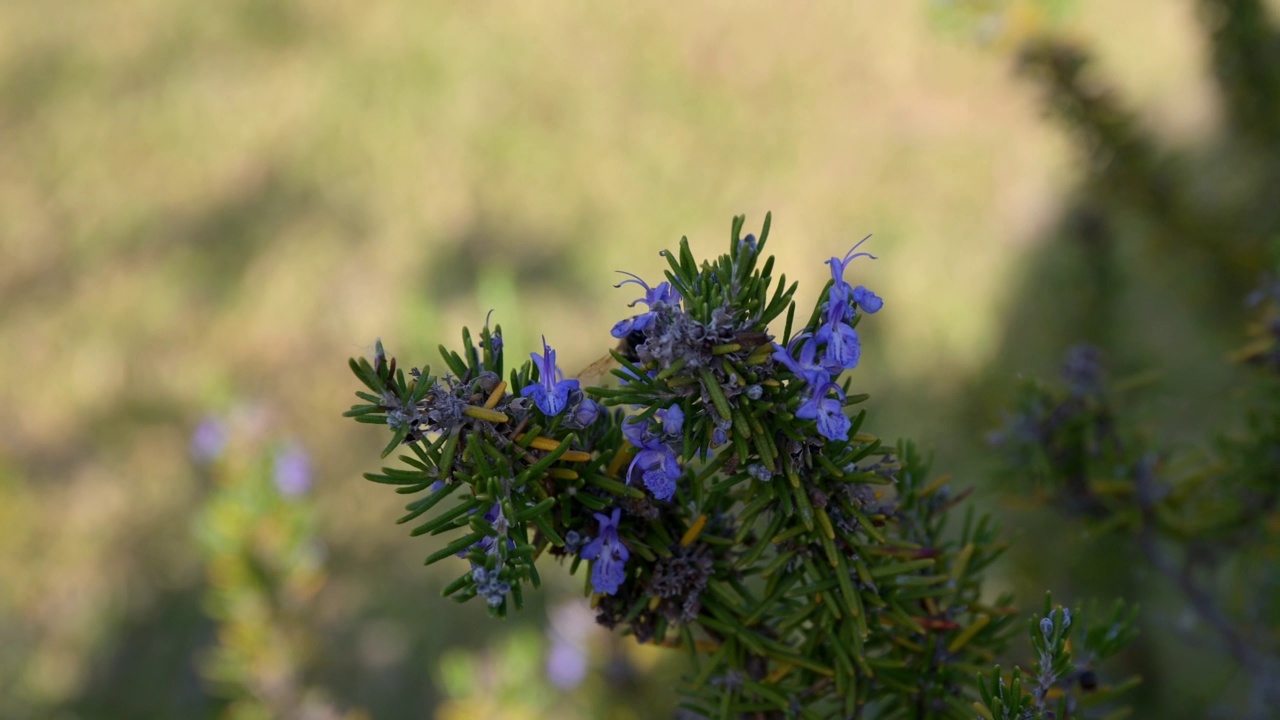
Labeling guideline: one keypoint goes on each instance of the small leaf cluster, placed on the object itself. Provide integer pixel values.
(1064, 682)
(724, 498)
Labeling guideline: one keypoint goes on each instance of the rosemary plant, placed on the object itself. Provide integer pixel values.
(725, 498)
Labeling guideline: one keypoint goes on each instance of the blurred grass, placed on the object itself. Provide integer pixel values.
(210, 207)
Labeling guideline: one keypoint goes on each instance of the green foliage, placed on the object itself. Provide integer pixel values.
(1190, 496)
(1063, 683)
(264, 564)
(1186, 513)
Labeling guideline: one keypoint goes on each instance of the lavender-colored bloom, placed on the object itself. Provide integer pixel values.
(829, 412)
(843, 347)
(609, 553)
(838, 265)
(662, 294)
(840, 290)
(551, 392)
(585, 413)
(833, 424)
(719, 437)
(672, 420)
(566, 664)
(656, 464)
(808, 367)
(567, 660)
(292, 471)
(209, 439)
(868, 301)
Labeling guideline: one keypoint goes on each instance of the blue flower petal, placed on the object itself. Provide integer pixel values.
(867, 300)
(622, 328)
(609, 553)
(673, 420)
(551, 392)
(843, 347)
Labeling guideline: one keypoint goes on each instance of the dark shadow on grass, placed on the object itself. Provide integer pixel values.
(148, 669)
(1151, 262)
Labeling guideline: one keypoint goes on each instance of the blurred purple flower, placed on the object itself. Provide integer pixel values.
(209, 439)
(568, 657)
(566, 664)
(292, 471)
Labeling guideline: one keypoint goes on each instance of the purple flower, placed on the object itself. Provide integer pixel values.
(841, 293)
(829, 412)
(867, 300)
(292, 471)
(833, 424)
(551, 392)
(663, 294)
(841, 289)
(609, 553)
(719, 437)
(585, 413)
(489, 544)
(656, 464)
(566, 664)
(808, 367)
(672, 420)
(209, 439)
(843, 348)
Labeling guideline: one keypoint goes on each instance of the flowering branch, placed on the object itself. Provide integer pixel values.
(723, 497)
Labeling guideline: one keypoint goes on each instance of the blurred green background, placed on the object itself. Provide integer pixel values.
(205, 209)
